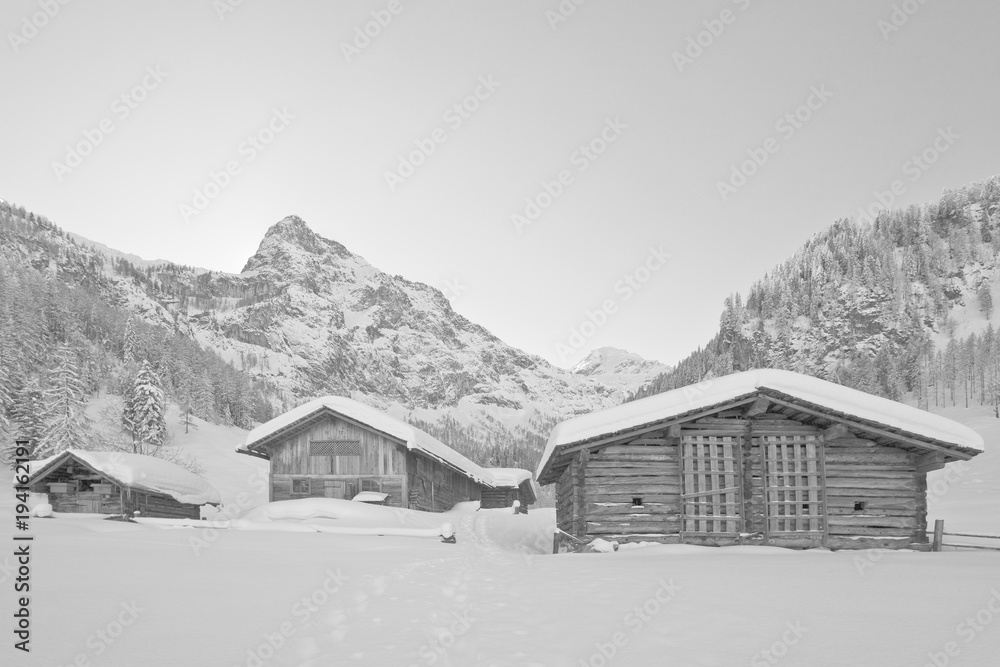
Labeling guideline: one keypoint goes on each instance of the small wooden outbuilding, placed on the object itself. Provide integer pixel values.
(120, 483)
(765, 457)
(335, 447)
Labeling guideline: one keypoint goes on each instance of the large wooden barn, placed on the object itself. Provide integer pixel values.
(765, 457)
(335, 447)
(120, 483)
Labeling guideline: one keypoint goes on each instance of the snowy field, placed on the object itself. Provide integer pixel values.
(278, 589)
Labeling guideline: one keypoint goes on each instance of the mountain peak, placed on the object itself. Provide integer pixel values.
(613, 360)
(291, 237)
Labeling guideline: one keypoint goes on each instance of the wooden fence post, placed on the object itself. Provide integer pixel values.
(938, 534)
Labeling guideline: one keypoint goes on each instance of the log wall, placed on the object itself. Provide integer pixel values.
(870, 495)
(645, 469)
(885, 481)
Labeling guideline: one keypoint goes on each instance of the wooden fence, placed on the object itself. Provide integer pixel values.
(939, 542)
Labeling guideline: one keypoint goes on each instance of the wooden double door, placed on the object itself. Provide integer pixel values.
(752, 481)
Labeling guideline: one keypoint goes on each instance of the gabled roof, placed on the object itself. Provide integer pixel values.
(412, 437)
(142, 473)
(837, 401)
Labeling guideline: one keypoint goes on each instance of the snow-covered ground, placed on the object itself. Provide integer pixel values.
(271, 590)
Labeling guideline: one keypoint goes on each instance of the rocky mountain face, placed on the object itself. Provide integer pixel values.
(309, 317)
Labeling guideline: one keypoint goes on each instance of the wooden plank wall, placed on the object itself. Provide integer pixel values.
(646, 467)
(379, 455)
(886, 481)
(281, 486)
(435, 487)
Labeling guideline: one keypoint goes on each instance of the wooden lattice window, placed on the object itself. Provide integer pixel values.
(711, 484)
(793, 483)
(335, 448)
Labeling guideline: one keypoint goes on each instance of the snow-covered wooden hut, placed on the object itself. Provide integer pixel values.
(120, 483)
(761, 457)
(335, 447)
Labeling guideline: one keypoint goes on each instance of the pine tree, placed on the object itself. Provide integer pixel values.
(27, 411)
(65, 421)
(985, 298)
(144, 412)
(130, 345)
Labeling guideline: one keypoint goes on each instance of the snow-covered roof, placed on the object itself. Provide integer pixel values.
(509, 476)
(374, 418)
(143, 473)
(708, 393)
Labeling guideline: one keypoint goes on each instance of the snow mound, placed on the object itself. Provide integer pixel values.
(42, 510)
(146, 473)
(715, 391)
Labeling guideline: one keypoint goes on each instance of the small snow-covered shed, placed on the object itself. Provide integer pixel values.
(336, 447)
(761, 457)
(120, 483)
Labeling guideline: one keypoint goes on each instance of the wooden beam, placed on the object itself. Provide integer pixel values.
(836, 431)
(930, 461)
(878, 431)
(758, 407)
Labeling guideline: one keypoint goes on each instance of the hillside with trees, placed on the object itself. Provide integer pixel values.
(901, 304)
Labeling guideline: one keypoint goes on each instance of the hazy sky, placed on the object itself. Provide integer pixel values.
(117, 112)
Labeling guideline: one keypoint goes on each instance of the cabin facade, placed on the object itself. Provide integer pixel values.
(121, 484)
(764, 457)
(334, 447)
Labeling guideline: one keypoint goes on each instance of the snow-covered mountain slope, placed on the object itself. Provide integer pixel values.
(311, 318)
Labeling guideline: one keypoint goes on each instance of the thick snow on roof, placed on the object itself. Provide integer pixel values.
(147, 473)
(414, 438)
(728, 387)
(508, 476)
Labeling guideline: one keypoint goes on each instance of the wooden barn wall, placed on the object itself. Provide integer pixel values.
(411, 479)
(379, 455)
(646, 468)
(564, 500)
(328, 486)
(871, 494)
(435, 487)
(886, 481)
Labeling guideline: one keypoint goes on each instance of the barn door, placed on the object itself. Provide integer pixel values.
(794, 483)
(711, 492)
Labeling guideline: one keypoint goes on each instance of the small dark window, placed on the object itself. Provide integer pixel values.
(637, 502)
(300, 486)
(859, 506)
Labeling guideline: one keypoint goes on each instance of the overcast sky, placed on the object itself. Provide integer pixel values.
(639, 115)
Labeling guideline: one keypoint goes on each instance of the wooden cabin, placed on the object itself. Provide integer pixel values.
(765, 457)
(335, 447)
(122, 484)
(510, 485)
